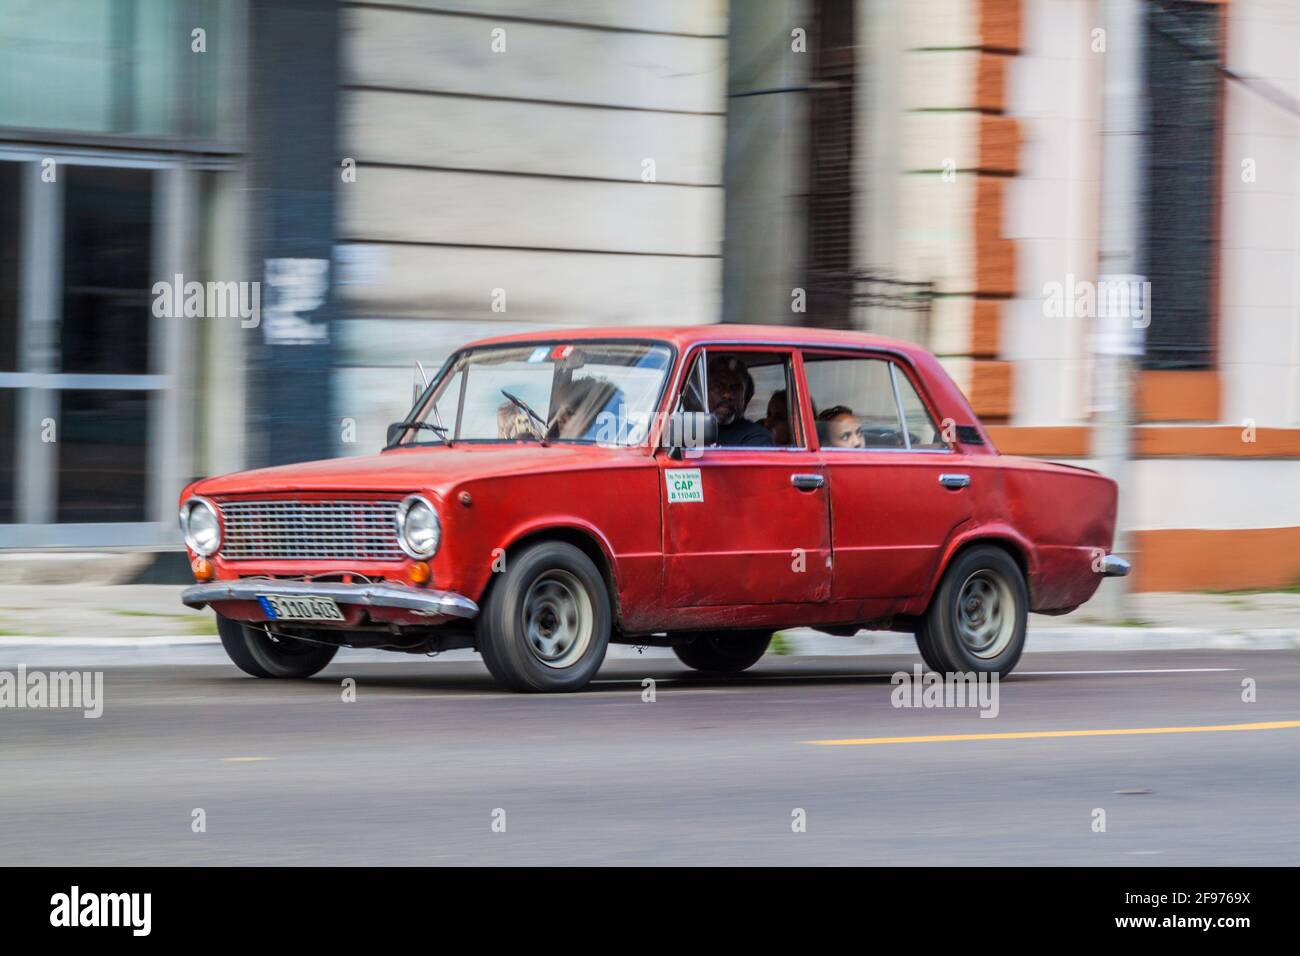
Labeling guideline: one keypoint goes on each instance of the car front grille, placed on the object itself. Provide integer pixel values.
(269, 530)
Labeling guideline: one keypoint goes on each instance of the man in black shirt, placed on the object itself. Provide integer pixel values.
(730, 389)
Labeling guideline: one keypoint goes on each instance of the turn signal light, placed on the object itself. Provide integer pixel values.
(202, 569)
(418, 573)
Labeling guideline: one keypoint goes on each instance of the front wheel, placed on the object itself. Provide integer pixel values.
(978, 617)
(257, 653)
(545, 625)
(727, 652)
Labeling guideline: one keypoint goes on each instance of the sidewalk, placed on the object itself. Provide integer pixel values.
(130, 622)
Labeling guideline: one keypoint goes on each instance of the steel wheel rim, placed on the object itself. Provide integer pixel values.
(557, 619)
(986, 614)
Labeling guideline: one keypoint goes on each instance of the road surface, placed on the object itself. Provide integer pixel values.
(429, 756)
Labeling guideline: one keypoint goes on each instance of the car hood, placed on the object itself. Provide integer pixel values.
(434, 468)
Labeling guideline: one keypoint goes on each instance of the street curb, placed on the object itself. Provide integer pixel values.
(799, 642)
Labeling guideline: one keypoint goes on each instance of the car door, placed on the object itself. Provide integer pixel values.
(897, 490)
(746, 525)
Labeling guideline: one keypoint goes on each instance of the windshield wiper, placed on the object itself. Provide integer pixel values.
(396, 429)
(437, 429)
(523, 406)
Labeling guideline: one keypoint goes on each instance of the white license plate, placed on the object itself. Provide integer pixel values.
(285, 607)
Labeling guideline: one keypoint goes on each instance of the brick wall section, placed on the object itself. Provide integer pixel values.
(990, 387)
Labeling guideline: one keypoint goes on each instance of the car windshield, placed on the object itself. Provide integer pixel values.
(594, 392)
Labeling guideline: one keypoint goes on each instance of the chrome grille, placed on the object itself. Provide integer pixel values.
(360, 530)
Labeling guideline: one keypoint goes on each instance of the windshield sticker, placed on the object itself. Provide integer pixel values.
(684, 484)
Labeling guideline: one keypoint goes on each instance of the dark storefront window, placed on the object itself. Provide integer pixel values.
(108, 220)
(10, 221)
(8, 454)
(10, 218)
(831, 132)
(1183, 51)
(103, 451)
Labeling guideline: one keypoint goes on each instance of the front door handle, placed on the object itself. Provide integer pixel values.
(807, 482)
(954, 481)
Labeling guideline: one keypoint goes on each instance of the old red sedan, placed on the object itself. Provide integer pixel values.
(698, 488)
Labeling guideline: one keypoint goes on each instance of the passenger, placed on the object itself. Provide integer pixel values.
(513, 423)
(778, 418)
(838, 427)
(577, 406)
(730, 389)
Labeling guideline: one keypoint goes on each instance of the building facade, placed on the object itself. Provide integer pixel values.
(121, 137)
(399, 178)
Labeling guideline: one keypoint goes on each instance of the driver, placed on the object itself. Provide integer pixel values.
(730, 389)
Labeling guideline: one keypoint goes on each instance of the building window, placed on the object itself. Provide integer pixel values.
(102, 451)
(1184, 88)
(121, 66)
(10, 219)
(830, 169)
(83, 374)
(107, 224)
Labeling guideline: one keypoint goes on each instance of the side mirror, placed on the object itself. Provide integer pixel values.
(688, 430)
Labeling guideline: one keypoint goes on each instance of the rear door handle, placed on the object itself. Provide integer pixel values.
(954, 481)
(807, 482)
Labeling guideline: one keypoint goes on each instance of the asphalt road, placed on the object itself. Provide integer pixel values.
(711, 772)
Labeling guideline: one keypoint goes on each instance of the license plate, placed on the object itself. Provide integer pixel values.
(284, 607)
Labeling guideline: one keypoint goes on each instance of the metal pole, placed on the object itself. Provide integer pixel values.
(1122, 164)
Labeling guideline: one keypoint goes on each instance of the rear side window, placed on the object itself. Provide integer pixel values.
(863, 403)
(853, 402)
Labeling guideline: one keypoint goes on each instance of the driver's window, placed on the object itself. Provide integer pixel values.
(854, 401)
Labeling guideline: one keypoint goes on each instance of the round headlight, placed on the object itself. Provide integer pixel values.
(201, 527)
(418, 529)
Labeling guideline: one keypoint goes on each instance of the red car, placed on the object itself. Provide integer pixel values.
(698, 488)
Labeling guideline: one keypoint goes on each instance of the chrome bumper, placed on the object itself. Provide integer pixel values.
(371, 595)
(1115, 567)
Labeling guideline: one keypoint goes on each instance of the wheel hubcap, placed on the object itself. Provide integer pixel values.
(557, 619)
(986, 614)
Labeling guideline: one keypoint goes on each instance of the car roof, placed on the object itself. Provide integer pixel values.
(685, 336)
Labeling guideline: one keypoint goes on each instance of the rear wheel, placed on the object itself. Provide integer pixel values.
(979, 615)
(545, 625)
(256, 652)
(724, 652)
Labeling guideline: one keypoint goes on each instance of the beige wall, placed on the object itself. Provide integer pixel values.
(1259, 253)
(1053, 206)
(523, 171)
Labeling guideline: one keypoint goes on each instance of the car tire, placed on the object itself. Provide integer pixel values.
(545, 625)
(978, 617)
(927, 655)
(723, 652)
(255, 652)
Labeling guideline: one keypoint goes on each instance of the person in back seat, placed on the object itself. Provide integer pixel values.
(838, 427)
(777, 421)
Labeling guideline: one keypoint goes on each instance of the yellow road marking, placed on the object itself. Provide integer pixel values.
(1033, 734)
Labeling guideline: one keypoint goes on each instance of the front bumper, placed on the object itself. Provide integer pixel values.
(1115, 567)
(420, 602)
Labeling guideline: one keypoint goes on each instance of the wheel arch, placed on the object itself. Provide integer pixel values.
(1005, 539)
(586, 540)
